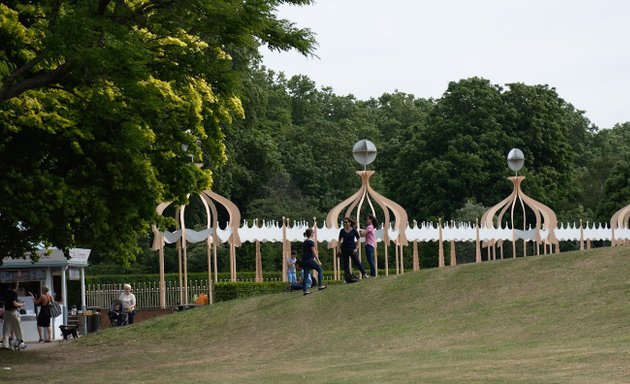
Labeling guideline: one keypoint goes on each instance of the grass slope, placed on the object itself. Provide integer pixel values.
(546, 319)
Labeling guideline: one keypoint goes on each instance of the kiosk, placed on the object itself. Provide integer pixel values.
(52, 270)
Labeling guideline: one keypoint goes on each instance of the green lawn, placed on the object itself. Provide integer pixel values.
(545, 319)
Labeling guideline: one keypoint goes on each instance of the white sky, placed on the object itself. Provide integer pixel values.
(368, 47)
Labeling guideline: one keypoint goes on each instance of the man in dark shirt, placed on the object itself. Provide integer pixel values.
(12, 316)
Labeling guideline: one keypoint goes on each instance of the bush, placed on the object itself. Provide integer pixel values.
(230, 291)
(142, 278)
(145, 278)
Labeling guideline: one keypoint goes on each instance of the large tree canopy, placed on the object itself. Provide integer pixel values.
(106, 105)
(459, 153)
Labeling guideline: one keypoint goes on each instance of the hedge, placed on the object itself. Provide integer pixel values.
(230, 291)
(142, 278)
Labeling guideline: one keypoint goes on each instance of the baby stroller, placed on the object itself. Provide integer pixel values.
(117, 315)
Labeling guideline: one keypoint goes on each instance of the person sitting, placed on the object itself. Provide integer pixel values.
(296, 286)
(117, 315)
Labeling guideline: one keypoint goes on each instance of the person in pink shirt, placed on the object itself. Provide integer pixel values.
(370, 242)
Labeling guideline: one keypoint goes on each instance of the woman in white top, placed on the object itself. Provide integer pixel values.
(128, 300)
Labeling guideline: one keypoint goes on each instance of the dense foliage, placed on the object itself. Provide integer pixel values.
(434, 155)
(97, 98)
(106, 106)
(437, 158)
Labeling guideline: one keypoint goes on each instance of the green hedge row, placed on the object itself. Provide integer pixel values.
(141, 278)
(230, 291)
(223, 276)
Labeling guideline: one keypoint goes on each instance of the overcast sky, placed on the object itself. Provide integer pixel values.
(368, 47)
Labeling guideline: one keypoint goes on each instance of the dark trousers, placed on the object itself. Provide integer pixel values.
(307, 266)
(130, 316)
(369, 255)
(346, 255)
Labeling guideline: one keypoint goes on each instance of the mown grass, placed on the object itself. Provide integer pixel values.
(545, 319)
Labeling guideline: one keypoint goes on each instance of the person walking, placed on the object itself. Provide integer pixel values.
(43, 317)
(310, 261)
(370, 242)
(349, 248)
(11, 317)
(128, 300)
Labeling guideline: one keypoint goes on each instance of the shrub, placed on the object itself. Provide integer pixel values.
(230, 291)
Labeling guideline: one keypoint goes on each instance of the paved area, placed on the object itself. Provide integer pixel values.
(42, 345)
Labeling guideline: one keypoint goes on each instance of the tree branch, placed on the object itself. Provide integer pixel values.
(19, 72)
(102, 5)
(54, 13)
(41, 80)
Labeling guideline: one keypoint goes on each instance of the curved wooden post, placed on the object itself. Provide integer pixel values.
(158, 244)
(259, 274)
(285, 249)
(386, 244)
(441, 262)
(477, 243)
(335, 264)
(162, 279)
(620, 219)
(416, 256)
(402, 259)
(184, 252)
(397, 258)
(356, 201)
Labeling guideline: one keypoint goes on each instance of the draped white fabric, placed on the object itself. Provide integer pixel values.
(272, 232)
(198, 236)
(172, 237)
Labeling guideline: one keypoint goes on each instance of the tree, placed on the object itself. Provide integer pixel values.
(617, 190)
(399, 118)
(252, 144)
(106, 106)
(551, 133)
(457, 152)
(604, 150)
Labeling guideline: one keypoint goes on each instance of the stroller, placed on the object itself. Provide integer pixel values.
(117, 315)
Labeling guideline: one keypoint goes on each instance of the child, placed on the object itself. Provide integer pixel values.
(291, 270)
(117, 315)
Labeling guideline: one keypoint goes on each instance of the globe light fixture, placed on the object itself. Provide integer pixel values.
(515, 159)
(364, 152)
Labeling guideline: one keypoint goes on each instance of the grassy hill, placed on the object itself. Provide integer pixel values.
(545, 319)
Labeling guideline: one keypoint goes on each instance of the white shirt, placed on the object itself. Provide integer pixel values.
(128, 301)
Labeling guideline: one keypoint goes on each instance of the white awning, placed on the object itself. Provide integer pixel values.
(52, 257)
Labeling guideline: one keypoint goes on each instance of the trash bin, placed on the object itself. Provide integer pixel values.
(93, 320)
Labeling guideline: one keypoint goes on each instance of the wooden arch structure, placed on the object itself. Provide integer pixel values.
(351, 207)
(620, 220)
(211, 234)
(545, 220)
